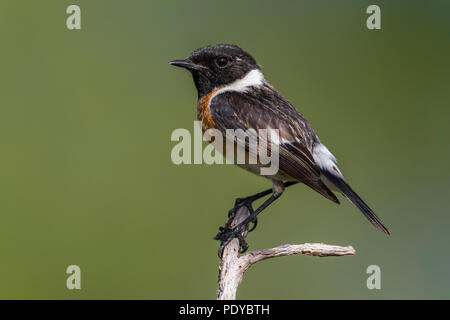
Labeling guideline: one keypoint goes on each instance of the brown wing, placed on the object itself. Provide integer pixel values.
(265, 108)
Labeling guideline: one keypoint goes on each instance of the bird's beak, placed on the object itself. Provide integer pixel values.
(186, 63)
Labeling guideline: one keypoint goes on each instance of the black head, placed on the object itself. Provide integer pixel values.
(216, 66)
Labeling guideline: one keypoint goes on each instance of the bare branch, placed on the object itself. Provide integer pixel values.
(233, 265)
(230, 270)
(311, 249)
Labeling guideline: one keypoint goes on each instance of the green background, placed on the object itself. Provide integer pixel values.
(86, 176)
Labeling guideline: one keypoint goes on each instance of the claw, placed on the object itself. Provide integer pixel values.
(242, 243)
(255, 223)
(226, 235)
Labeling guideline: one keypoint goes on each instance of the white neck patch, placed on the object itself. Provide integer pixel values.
(253, 78)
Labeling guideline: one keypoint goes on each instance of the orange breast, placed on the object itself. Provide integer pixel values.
(203, 112)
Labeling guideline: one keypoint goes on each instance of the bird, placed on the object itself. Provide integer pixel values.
(234, 94)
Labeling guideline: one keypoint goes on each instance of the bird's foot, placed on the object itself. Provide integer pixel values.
(243, 202)
(226, 235)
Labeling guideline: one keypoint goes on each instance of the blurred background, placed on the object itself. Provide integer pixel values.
(86, 176)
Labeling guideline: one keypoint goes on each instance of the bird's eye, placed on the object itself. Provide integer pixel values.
(222, 61)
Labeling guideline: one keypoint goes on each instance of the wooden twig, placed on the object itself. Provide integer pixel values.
(233, 265)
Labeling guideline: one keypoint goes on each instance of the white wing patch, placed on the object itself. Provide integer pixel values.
(274, 136)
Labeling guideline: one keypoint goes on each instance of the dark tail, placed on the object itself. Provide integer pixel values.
(357, 201)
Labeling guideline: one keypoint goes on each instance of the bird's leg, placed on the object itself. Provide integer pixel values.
(227, 234)
(248, 201)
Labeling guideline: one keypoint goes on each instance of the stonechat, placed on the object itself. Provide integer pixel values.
(233, 94)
